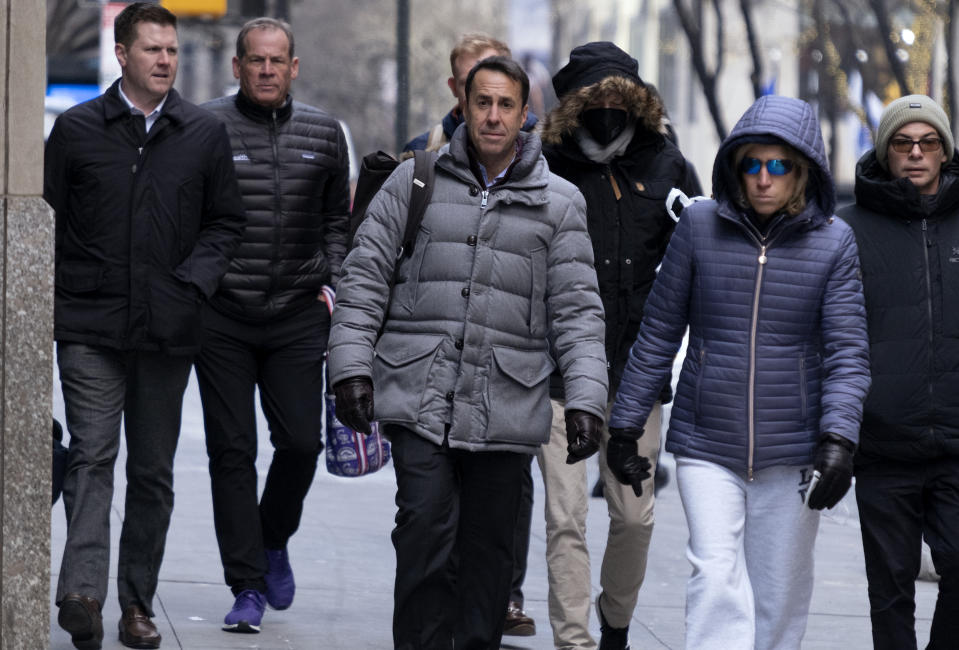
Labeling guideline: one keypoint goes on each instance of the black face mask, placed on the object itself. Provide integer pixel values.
(604, 124)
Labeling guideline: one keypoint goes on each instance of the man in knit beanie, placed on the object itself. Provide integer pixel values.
(609, 136)
(906, 220)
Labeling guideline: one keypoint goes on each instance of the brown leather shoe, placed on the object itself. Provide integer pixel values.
(137, 630)
(80, 616)
(517, 622)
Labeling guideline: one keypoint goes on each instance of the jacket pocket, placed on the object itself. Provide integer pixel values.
(537, 305)
(803, 389)
(518, 407)
(189, 197)
(401, 370)
(408, 277)
(700, 371)
(174, 312)
(79, 277)
(85, 194)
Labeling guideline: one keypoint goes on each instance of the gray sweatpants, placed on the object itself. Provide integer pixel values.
(751, 549)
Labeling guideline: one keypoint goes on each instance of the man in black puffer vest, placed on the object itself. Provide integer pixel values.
(266, 327)
(906, 220)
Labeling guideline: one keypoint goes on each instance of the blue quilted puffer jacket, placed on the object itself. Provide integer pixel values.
(778, 351)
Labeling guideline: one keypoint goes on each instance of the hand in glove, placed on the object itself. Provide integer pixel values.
(354, 403)
(583, 433)
(834, 463)
(627, 465)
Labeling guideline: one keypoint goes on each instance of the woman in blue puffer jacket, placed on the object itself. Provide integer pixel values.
(770, 396)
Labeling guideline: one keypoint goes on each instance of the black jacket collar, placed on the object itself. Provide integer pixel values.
(259, 113)
(114, 107)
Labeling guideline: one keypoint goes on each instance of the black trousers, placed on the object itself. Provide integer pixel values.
(899, 505)
(452, 502)
(524, 522)
(284, 359)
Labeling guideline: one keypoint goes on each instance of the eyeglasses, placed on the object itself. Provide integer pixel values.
(775, 166)
(926, 145)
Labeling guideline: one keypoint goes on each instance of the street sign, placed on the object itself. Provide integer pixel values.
(213, 8)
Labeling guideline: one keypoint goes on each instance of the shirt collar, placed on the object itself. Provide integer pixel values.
(149, 119)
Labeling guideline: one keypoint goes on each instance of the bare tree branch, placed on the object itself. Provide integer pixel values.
(706, 78)
(746, 7)
(950, 28)
(885, 33)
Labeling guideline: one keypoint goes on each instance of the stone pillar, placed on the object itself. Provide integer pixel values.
(26, 332)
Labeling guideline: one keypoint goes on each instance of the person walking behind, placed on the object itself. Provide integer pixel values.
(265, 327)
(148, 214)
(499, 290)
(906, 220)
(608, 136)
(769, 400)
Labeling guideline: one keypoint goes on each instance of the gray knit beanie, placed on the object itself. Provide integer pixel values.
(912, 108)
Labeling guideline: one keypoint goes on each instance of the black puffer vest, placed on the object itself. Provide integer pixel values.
(293, 168)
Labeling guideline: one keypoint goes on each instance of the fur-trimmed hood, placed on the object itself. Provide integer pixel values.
(643, 104)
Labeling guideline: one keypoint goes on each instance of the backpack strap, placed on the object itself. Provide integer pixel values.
(421, 191)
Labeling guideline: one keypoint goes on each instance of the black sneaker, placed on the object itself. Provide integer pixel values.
(613, 638)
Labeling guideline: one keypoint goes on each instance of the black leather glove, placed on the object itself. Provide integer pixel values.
(627, 465)
(834, 463)
(583, 433)
(354, 403)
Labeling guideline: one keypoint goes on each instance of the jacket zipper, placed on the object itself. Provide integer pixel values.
(276, 203)
(932, 339)
(751, 388)
(485, 197)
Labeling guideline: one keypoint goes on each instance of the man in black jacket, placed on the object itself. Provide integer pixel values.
(148, 214)
(609, 136)
(906, 219)
(266, 326)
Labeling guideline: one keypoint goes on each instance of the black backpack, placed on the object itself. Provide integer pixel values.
(374, 171)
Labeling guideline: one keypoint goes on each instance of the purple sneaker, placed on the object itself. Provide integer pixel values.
(247, 612)
(280, 586)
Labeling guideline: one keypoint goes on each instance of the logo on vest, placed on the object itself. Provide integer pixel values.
(241, 157)
(954, 258)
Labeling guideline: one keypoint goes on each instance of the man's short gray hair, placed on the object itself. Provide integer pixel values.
(262, 23)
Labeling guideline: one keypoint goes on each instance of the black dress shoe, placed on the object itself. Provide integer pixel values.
(80, 616)
(137, 630)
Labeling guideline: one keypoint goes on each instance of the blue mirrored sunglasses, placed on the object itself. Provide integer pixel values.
(775, 166)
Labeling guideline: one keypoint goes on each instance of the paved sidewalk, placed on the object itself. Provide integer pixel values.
(344, 565)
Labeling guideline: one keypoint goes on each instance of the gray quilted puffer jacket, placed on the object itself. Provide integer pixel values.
(500, 284)
(778, 353)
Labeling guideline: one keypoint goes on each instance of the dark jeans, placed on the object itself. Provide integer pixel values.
(446, 499)
(101, 386)
(521, 535)
(285, 360)
(899, 505)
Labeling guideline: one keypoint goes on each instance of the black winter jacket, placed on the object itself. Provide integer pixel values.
(909, 253)
(293, 168)
(625, 212)
(145, 222)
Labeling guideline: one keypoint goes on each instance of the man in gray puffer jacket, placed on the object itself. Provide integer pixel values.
(499, 289)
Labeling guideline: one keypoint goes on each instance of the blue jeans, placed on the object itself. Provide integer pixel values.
(101, 386)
